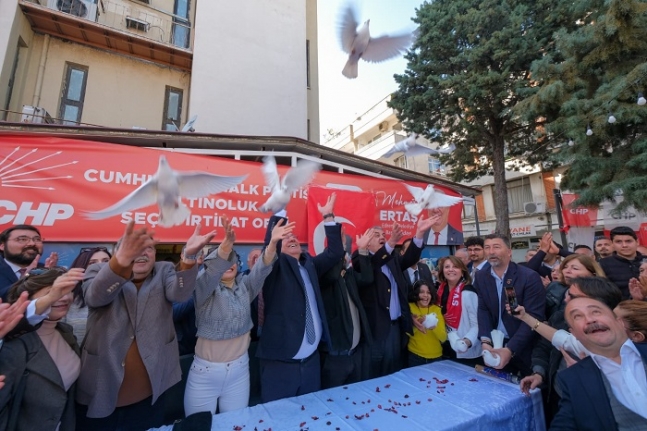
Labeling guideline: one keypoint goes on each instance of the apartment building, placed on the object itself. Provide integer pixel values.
(244, 68)
(530, 191)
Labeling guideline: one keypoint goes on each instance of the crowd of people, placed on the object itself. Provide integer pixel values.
(573, 324)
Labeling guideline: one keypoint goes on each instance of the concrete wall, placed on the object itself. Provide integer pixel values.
(249, 68)
(120, 91)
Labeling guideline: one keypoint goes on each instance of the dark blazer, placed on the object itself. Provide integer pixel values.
(530, 293)
(284, 296)
(337, 285)
(7, 278)
(585, 405)
(377, 297)
(454, 237)
(424, 273)
(45, 401)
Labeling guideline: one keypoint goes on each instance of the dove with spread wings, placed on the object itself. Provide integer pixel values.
(282, 189)
(411, 148)
(167, 188)
(428, 198)
(359, 43)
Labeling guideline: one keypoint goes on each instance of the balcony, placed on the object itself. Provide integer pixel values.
(119, 26)
(375, 149)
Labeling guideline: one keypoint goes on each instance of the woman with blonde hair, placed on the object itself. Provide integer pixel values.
(634, 316)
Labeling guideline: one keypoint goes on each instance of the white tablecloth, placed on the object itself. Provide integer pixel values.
(439, 396)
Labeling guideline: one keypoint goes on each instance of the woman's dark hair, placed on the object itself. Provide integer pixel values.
(83, 261)
(599, 288)
(415, 292)
(458, 264)
(34, 281)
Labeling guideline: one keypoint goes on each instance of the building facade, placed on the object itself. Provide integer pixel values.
(530, 190)
(244, 68)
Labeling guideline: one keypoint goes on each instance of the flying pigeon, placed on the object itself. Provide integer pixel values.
(295, 178)
(359, 43)
(411, 148)
(428, 199)
(167, 188)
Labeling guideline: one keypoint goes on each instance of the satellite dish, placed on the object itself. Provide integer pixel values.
(188, 127)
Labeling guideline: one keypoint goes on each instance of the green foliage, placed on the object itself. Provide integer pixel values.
(602, 69)
(467, 70)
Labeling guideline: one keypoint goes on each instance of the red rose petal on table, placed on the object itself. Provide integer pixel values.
(379, 406)
(428, 399)
(301, 424)
(377, 389)
(303, 407)
(260, 421)
(345, 387)
(406, 396)
(347, 416)
(328, 423)
(329, 413)
(315, 418)
(417, 401)
(354, 403)
(367, 415)
(422, 380)
(237, 428)
(473, 380)
(368, 401)
(330, 400)
(372, 410)
(387, 386)
(404, 416)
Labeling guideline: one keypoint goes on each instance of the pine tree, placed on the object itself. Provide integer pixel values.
(603, 71)
(467, 70)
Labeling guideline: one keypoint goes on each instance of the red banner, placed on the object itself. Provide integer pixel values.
(642, 234)
(346, 212)
(577, 216)
(51, 182)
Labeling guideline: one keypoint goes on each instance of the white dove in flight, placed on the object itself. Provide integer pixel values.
(294, 178)
(428, 199)
(411, 148)
(359, 43)
(167, 188)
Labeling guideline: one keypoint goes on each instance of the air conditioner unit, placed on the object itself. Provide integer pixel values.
(35, 114)
(82, 8)
(531, 208)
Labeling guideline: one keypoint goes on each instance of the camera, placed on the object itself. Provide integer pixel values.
(512, 299)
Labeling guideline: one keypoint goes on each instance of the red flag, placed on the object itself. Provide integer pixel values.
(356, 211)
(575, 216)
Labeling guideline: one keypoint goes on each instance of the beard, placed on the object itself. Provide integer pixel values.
(22, 258)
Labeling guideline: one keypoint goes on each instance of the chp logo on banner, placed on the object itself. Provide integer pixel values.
(576, 216)
(355, 210)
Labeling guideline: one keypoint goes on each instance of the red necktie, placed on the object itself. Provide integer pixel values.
(22, 272)
(436, 235)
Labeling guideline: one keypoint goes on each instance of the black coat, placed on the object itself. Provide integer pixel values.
(620, 270)
(585, 404)
(284, 296)
(424, 273)
(377, 297)
(337, 285)
(7, 278)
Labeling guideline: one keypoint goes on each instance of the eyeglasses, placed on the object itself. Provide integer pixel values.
(84, 249)
(41, 271)
(25, 239)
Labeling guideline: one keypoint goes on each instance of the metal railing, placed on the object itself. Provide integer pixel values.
(132, 17)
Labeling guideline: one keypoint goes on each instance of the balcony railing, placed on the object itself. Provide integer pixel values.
(140, 19)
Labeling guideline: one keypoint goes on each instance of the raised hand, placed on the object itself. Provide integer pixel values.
(545, 242)
(64, 284)
(424, 224)
(133, 244)
(362, 241)
(396, 235)
(52, 260)
(418, 323)
(10, 314)
(281, 230)
(636, 288)
(531, 382)
(329, 206)
(196, 242)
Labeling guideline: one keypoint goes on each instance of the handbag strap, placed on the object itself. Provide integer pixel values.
(18, 394)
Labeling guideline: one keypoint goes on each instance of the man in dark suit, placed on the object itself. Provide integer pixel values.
(295, 320)
(504, 280)
(386, 302)
(417, 271)
(475, 246)
(20, 245)
(442, 233)
(607, 390)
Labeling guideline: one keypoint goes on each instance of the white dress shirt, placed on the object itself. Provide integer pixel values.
(627, 379)
(499, 290)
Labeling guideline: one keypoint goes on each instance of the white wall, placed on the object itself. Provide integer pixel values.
(249, 68)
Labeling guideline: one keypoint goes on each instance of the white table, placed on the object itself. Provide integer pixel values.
(439, 396)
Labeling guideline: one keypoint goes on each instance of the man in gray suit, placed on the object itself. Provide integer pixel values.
(130, 355)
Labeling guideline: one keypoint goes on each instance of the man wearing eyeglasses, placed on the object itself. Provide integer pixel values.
(20, 245)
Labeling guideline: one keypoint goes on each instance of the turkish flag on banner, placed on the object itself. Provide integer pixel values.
(577, 216)
(642, 234)
(356, 211)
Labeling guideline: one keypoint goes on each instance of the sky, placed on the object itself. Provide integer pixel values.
(341, 100)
